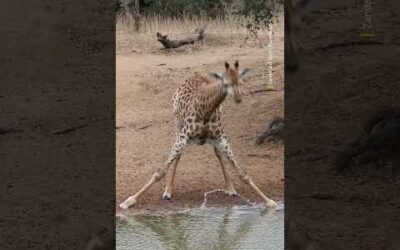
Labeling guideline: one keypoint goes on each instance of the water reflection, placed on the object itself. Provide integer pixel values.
(246, 227)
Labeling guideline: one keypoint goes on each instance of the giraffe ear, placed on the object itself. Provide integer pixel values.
(226, 65)
(244, 72)
(236, 64)
(217, 76)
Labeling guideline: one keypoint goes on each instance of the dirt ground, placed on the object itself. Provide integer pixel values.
(338, 85)
(147, 76)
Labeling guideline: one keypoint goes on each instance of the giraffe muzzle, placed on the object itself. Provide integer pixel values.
(237, 97)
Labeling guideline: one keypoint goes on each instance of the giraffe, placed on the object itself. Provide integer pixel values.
(197, 117)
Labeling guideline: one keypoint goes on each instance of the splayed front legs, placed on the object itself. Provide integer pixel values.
(176, 152)
(224, 148)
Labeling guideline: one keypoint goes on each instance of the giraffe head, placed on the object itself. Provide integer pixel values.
(230, 80)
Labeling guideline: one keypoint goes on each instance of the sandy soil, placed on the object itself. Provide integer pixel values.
(147, 76)
(335, 88)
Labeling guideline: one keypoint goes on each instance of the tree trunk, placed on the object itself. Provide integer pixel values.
(132, 9)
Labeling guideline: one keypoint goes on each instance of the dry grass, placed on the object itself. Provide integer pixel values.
(219, 31)
(185, 25)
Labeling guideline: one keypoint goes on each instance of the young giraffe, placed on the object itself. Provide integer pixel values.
(196, 105)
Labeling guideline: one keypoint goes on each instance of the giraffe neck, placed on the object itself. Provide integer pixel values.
(211, 97)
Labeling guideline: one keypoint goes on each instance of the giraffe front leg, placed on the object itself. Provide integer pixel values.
(224, 147)
(176, 152)
(230, 190)
(170, 183)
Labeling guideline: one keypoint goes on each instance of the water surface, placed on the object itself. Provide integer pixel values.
(241, 227)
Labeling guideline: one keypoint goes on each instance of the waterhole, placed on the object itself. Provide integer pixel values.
(249, 227)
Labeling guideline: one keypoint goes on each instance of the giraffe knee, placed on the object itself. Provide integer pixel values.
(245, 178)
(159, 175)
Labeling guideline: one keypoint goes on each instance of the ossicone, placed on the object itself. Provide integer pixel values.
(226, 65)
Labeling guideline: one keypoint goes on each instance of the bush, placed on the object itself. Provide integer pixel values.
(261, 13)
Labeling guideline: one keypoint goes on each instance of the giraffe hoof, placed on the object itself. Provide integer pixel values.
(127, 203)
(166, 196)
(123, 206)
(270, 203)
(232, 193)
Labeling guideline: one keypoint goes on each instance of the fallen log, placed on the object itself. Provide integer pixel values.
(171, 44)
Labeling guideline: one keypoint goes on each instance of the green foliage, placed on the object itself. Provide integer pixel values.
(260, 14)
